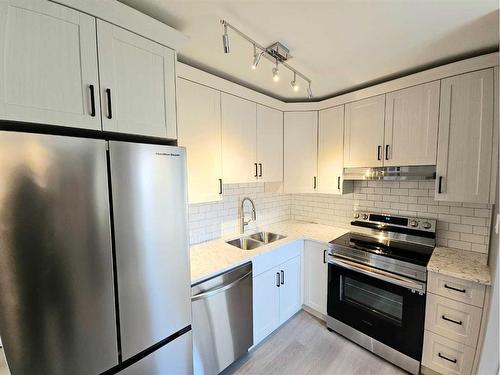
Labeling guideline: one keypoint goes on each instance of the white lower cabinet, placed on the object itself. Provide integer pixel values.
(277, 292)
(315, 276)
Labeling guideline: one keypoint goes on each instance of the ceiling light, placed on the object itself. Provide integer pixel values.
(309, 91)
(294, 84)
(256, 58)
(225, 40)
(276, 73)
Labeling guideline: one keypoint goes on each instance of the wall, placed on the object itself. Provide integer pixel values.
(208, 221)
(460, 225)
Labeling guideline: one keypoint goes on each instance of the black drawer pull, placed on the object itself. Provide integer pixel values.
(455, 289)
(92, 101)
(110, 111)
(314, 182)
(379, 148)
(282, 277)
(386, 152)
(459, 322)
(256, 174)
(260, 169)
(338, 182)
(446, 358)
(324, 256)
(440, 185)
(278, 279)
(220, 185)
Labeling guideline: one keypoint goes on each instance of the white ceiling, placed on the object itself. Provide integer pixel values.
(340, 44)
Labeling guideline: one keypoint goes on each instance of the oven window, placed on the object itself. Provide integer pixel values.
(378, 301)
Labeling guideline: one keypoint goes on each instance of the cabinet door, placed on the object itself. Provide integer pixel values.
(364, 132)
(266, 306)
(239, 138)
(198, 111)
(137, 83)
(289, 289)
(269, 144)
(411, 125)
(315, 276)
(48, 63)
(300, 151)
(465, 141)
(331, 150)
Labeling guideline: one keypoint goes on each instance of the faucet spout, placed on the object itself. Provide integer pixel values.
(242, 214)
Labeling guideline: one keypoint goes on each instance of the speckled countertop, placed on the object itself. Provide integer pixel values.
(462, 264)
(212, 257)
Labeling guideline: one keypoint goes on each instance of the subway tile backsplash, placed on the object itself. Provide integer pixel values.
(460, 225)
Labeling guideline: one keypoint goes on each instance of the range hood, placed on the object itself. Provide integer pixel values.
(425, 172)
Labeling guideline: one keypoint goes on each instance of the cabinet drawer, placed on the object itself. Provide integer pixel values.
(446, 356)
(457, 289)
(454, 320)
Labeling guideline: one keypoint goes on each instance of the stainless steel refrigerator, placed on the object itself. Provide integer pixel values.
(94, 260)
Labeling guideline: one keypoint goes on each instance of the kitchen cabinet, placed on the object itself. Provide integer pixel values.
(290, 290)
(239, 139)
(300, 151)
(466, 142)
(198, 111)
(269, 144)
(48, 62)
(411, 125)
(364, 132)
(331, 152)
(137, 82)
(315, 276)
(266, 304)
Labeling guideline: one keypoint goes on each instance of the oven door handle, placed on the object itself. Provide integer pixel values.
(378, 274)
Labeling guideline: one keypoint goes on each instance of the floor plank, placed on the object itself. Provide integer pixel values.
(303, 346)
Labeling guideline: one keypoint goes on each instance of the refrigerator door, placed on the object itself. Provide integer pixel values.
(148, 185)
(57, 313)
(173, 358)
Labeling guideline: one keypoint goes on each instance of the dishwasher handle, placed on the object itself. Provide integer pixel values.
(219, 289)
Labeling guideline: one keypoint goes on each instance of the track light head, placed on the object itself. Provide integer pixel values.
(294, 84)
(276, 73)
(256, 58)
(309, 91)
(225, 40)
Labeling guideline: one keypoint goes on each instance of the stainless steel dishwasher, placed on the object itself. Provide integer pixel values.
(222, 319)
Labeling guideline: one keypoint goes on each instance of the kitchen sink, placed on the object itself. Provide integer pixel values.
(266, 237)
(245, 243)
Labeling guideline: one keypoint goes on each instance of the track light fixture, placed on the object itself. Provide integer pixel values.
(276, 52)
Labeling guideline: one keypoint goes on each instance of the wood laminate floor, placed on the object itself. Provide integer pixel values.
(303, 346)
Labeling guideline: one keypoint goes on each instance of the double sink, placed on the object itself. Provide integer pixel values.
(255, 240)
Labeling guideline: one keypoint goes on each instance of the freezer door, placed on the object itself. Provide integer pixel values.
(152, 255)
(57, 313)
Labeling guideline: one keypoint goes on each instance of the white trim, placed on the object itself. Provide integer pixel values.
(128, 18)
(199, 76)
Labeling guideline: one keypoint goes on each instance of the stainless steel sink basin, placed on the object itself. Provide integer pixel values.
(245, 243)
(266, 237)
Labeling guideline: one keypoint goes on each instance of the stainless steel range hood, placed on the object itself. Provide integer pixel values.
(425, 172)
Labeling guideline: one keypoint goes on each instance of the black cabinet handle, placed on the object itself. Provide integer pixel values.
(314, 182)
(220, 186)
(386, 152)
(440, 185)
(446, 358)
(108, 96)
(455, 289)
(338, 182)
(324, 256)
(260, 169)
(278, 279)
(282, 277)
(92, 101)
(255, 175)
(459, 322)
(379, 148)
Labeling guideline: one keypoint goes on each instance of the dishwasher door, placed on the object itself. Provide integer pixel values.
(222, 320)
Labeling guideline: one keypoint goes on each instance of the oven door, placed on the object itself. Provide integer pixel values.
(391, 311)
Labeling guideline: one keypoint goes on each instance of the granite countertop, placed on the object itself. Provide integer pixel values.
(212, 257)
(462, 264)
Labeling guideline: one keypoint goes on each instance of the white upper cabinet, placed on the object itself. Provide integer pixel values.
(48, 65)
(465, 144)
(411, 125)
(137, 79)
(269, 144)
(198, 111)
(300, 151)
(239, 138)
(331, 150)
(364, 132)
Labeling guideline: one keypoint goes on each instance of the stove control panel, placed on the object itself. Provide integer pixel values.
(427, 225)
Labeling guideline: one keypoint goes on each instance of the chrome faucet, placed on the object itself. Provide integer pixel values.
(242, 214)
